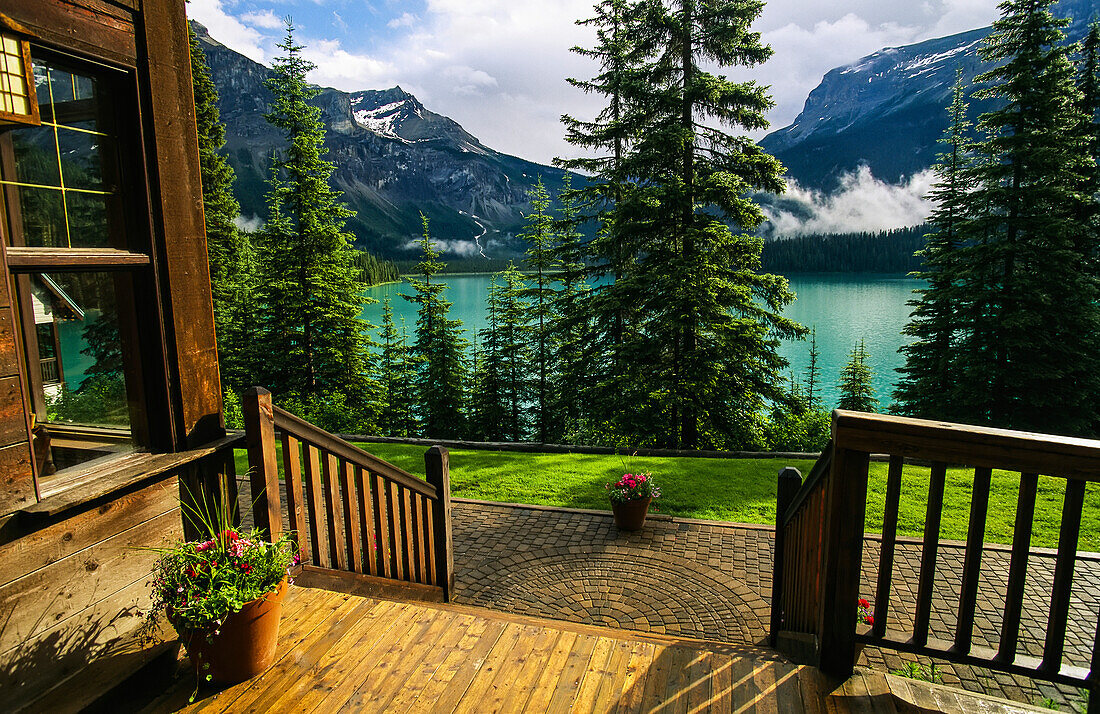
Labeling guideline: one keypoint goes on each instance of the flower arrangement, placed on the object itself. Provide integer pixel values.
(863, 613)
(198, 583)
(632, 487)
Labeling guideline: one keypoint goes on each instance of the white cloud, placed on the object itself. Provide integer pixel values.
(407, 19)
(863, 203)
(463, 248)
(266, 19)
(227, 29)
(345, 70)
(250, 224)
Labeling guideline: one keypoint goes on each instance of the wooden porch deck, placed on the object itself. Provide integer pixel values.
(341, 652)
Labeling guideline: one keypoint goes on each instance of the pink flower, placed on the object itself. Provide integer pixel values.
(204, 546)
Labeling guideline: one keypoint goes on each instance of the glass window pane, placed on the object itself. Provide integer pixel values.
(43, 217)
(61, 86)
(35, 151)
(89, 226)
(81, 164)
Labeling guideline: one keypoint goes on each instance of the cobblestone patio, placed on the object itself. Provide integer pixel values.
(713, 580)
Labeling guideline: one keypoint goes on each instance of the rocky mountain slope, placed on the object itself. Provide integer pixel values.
(888, 109)
(394, 159)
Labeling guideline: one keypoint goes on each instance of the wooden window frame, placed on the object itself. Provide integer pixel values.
(141, 321)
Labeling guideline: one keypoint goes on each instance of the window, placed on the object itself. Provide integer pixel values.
(79, 258)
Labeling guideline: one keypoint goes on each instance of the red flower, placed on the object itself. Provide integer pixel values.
(864, 603)
(870, 619)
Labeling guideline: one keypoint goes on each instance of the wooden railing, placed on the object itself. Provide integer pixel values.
(352, 511)
(820, 545)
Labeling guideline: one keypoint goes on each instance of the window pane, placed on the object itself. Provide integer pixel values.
(43, 217)
(81, 165)
(88, 220)
(36, 156)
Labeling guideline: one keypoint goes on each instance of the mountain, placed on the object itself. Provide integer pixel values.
(888, 110)
(394, 159)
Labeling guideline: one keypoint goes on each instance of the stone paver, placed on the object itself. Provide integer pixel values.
(713, 581)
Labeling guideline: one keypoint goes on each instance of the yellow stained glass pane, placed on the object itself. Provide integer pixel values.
(4, 64)
(5, 102)
(11, 45)
(19, 105)
(5, 86)
(17, 85)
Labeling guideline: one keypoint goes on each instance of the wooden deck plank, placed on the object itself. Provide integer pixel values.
(572, 672)
(547, 680)
(657, 678)
(585, 698)
(451, 641)
(699, 683)
(611, 686)
(312, 687)
(388, 677)
(453, 677)
(744, 684)
(411, 621)
(674, 698)
(721, 682)
(788, 696)
(641, 659)
(489, 676)
(764, 677)
(528, 662)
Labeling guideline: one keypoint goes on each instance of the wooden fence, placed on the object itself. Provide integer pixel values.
(352, 511)
(819, 546)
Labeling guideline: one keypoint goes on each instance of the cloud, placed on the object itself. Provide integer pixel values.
(227, 29)
(862, 203)
(250, 224)
(462, 248)
(406, 19)
(266, 19)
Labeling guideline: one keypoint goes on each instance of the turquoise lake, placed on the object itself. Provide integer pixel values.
(845, 308)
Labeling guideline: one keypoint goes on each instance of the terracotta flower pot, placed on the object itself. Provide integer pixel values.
(245, 643)
(630, 516)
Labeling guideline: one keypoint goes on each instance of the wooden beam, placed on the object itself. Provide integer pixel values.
(263, 466)
(438, 469)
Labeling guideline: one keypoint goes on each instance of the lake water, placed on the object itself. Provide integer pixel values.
(845, 308)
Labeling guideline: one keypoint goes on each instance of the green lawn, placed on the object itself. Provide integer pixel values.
(739, 490)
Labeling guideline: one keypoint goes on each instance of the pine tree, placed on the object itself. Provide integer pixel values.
(929, 380)
(439, 350)
(856, 392)
(489, 407)
(539, 297)
(812, 372)
(314, 343)
(705, 357)
(395, 376)
(1029, 363)
(232, 260)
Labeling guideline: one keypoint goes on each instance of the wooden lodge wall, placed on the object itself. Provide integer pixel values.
(74, 572)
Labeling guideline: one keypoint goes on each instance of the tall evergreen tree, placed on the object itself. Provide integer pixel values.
(439, 350)
(1029, 363)
(314, 342)
(930, 378)
(488, 405)
(856, 391)
(396, 376)
(232, 260)
(813, 372)
(706, 355)
(539, 296)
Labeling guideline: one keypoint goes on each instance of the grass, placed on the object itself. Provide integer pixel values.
(738, 490)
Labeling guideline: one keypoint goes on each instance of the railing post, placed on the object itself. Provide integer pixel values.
(845, 509)
(438, 469)
(263, 468)
(790, 480)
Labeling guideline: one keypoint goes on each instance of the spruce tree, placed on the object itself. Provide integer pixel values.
(856, 392)
(488, 407)
(439, 350)
(812, 372)
(395, 376)
(539, 297)
(705, 356)
(232, 260)
(1029, 362)
(314, 343)
(929, 380)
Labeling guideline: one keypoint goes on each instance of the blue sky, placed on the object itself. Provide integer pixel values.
(498, 67)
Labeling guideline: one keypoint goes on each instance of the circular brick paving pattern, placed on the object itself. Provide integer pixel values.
(620, 586)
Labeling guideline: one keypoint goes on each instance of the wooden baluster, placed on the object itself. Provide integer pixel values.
(1017, 569)
(790, 480)
(351, 518)
(847, 503)
(437, 468)
(421, 556)
(292, 471)
(929, 550)
(366, 516)
(263, 467)
(396, 530)
(338, 558)
(889, 545)
(1094, 673)
(316, 509)
(429, 538)
(1063, 576)
(227, 488)
(972, 564)
(385, 545)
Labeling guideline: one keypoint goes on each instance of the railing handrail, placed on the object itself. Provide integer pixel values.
(977, 446)
(304, 431)
(818, 472)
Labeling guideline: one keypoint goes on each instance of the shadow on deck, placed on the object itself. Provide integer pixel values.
(340, 652)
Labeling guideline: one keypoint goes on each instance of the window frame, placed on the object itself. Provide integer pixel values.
(138, 298)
